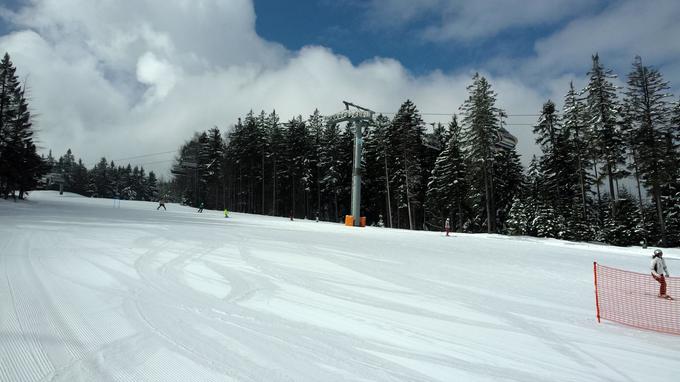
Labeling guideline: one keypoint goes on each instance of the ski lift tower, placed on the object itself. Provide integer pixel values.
(360, 117)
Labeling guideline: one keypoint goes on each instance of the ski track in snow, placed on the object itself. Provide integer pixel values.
(89, 292)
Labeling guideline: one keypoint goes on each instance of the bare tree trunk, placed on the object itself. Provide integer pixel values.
(274, 190)
(659, 210)
(583, 187)
(597, 184)
(337, 212)
(387, 187)
(612, 194)
(639, 189)
(318, 191)
(488, 199)
(408, 198)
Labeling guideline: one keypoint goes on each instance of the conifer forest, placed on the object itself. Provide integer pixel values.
(609, 170)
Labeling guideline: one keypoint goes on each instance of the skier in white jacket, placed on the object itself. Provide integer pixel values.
(659, 270)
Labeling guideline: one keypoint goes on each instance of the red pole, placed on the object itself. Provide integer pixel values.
(597, 300)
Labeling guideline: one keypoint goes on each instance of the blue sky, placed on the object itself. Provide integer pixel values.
(159, 70)
(345, 28)
(356, 30)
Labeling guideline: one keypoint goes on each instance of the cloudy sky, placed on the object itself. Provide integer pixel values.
(125, 78)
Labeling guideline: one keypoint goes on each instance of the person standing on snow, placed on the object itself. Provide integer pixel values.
(447, 226)
(659, 269)
(161, 203)
(200, 208)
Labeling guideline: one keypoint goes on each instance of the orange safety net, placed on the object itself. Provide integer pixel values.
(632, 298)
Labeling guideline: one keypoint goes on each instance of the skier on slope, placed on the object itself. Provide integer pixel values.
(447, 226)
(200, 208)
(161, 203)
(659, 269)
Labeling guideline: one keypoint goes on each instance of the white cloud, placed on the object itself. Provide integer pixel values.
(129, 77)
(618, 33)
(158, 74)
(126, 78)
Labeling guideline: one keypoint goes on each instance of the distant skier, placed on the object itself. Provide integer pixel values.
(659, 269)
(200, 207)
(226, 213)
(161, 203)
(380, 221)
(447, 226)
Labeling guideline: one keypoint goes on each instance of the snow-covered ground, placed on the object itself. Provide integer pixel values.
(89, 292)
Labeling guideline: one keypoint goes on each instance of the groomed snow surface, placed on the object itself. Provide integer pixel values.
(89, 292)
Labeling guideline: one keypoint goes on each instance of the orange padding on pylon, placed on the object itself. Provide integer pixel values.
(631, 298)
(349, 220)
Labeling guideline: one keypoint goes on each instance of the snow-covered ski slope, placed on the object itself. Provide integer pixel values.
(93, 293)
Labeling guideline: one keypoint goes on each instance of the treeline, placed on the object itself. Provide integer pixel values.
(103, 180)
(603, 141)
(20, 165)
(413, 177)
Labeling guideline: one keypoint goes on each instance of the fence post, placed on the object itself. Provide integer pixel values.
(597, 300)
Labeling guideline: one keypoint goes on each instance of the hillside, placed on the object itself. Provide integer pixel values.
(92, 292)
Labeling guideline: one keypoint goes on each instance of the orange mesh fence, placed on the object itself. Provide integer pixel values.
(632, 299)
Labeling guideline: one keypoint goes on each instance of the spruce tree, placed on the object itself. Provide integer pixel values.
(331, 167)
(480, 131)
(315, 124)
(602, 106)
(276, 146)
(20, 165)
(648, 115)
(154, 189)
(447, 188)
(575, 129)
(215, 151)
(509, 183)
(374, 192)
(405, 137)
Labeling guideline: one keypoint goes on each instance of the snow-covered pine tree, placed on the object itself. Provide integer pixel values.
(141, 185)
(296, 163)
(80, 179)
(275, 150)
(603, 108)
(315, 124)
(152, 187)
(648, 115)
(508, 184)
(20, 165)
(101, 180)
(127, 182)
(673, 213)
(480, 130)
(215, 150)
(9, 86)
(331, 165)
(405, 138)
(447, 188)
(115, 184)
(30, 164)
(65, 166)
(559, 188)
(374, 192)
(574, 126)
(622, 229)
